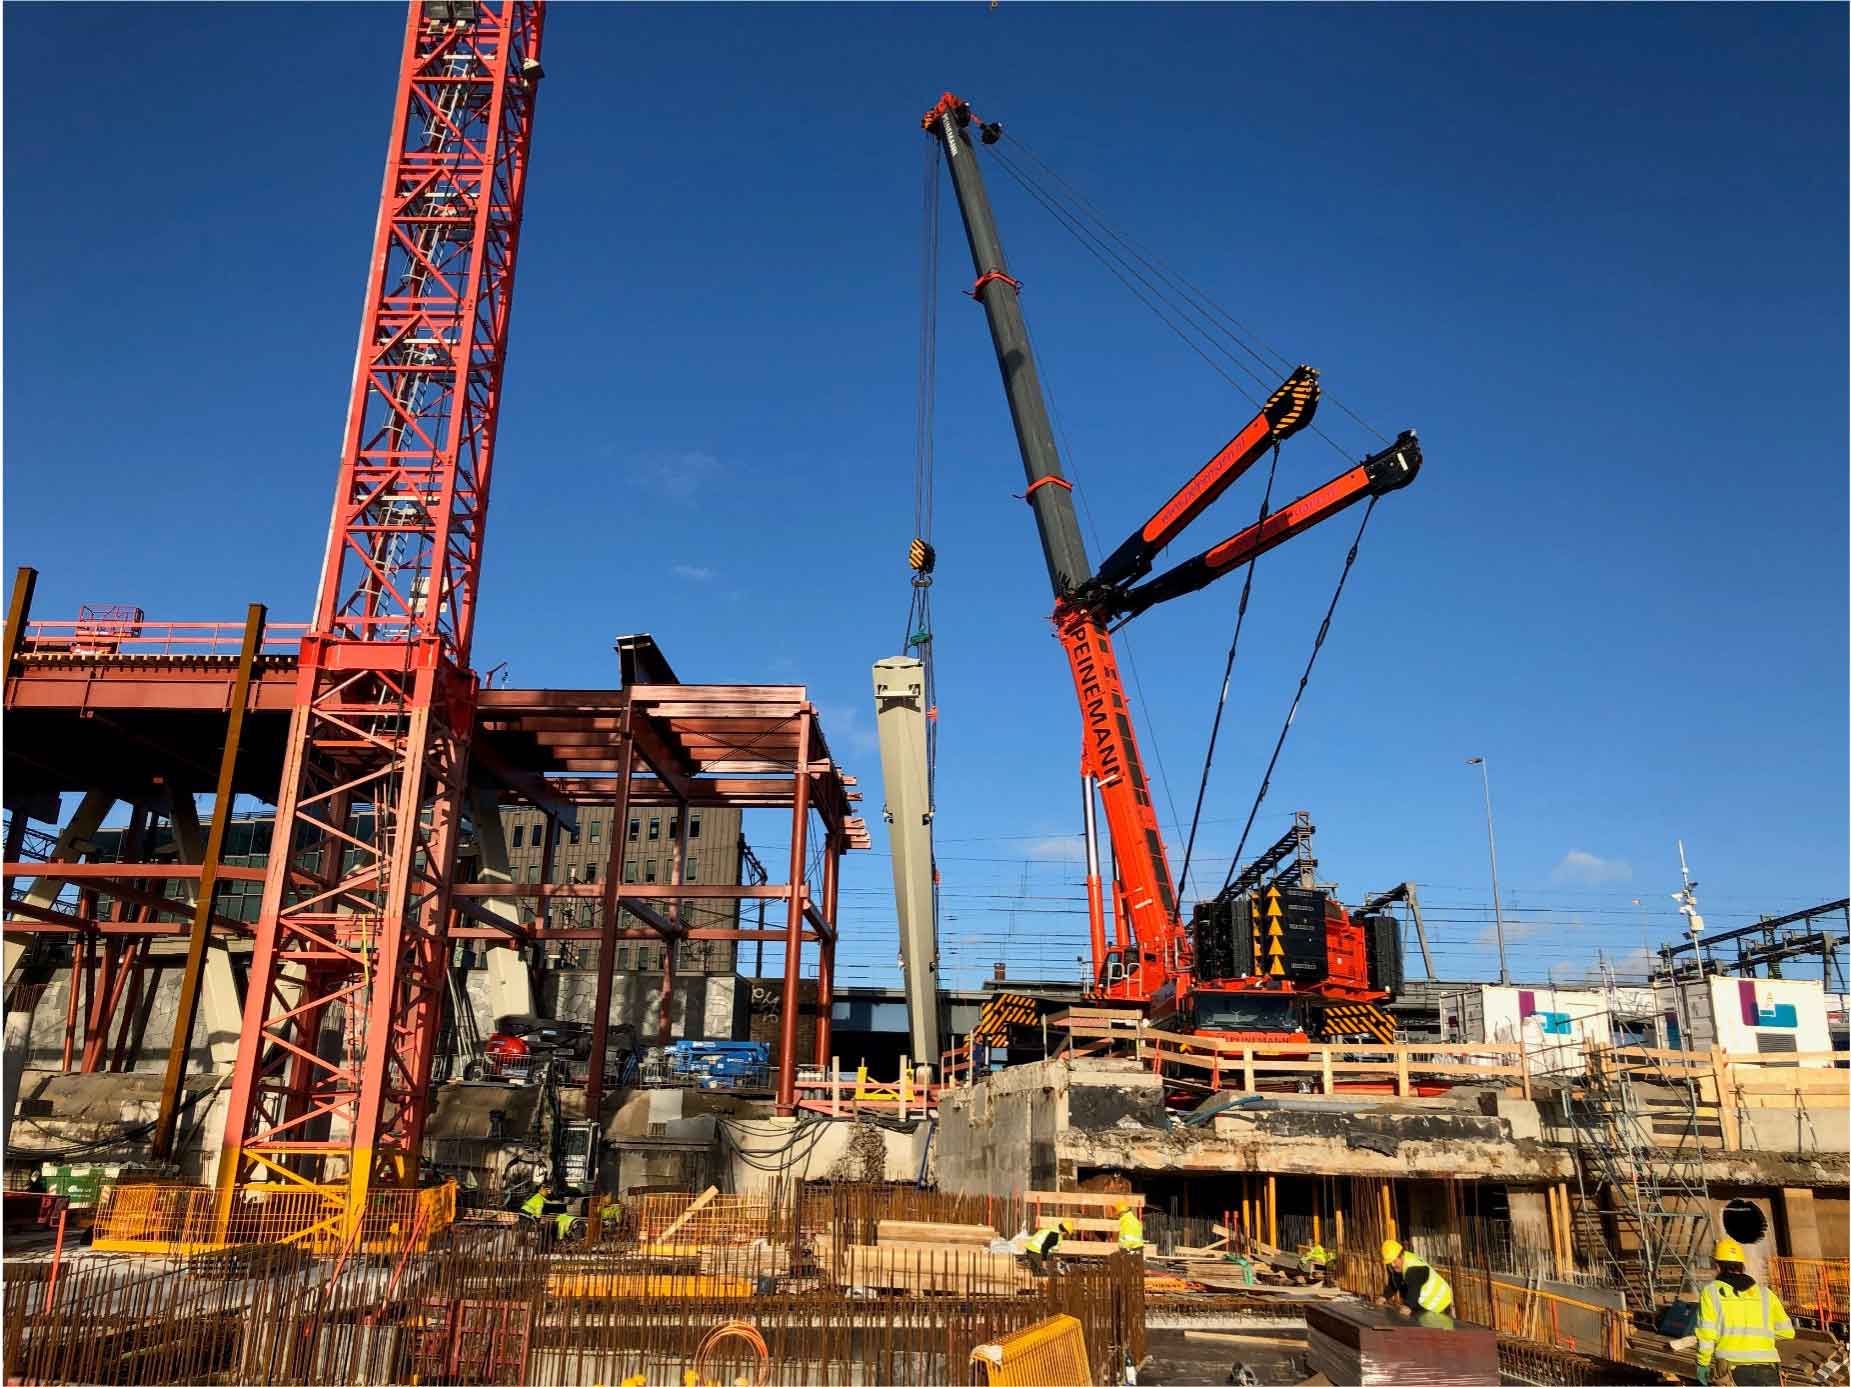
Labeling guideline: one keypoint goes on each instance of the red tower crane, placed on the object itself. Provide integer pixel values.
(351, 932)
(1153, 961)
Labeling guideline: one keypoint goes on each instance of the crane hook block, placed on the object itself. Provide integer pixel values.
(1395, 466)
(921, 556)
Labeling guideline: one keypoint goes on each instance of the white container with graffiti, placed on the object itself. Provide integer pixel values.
(1554, 1023)
(1745, 1016)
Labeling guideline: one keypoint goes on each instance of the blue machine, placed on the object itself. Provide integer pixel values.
(717, 1064)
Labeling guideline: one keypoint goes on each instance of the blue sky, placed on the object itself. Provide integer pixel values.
(1595, 255)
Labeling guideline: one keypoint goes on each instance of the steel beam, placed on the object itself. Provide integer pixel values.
(194, 969)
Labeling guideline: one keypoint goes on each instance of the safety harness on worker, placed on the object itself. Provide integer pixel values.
(1740, 1326)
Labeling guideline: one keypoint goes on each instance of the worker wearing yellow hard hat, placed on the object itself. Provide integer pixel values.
(1043, 1241)
(1739, 1321)
(1419, 1288)
(1130, 1228)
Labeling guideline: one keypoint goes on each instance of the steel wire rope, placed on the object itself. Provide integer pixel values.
(1227, 678)
(1316, 645)
(1197, 296)
(1148, 296)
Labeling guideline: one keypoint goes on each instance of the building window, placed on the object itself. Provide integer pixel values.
(635, 827)
(694, 825)
(623, 957)
(674, 824)
(595, 826)
(649, 870)
(556, 866)
(574, 837)
(517, 835)
(655, 827)
(533, 875)
(629, 871)
(591, 871)
(572, 872)
(694, 870)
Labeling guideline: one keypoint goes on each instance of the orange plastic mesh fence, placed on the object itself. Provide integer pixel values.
(1812, 1287)
(175, 1220)
(1049, 1354)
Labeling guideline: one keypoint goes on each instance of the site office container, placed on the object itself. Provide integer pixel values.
(1554, 1023)
(1744, 1016)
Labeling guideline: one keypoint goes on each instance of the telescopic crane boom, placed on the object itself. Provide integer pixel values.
(1151, 960)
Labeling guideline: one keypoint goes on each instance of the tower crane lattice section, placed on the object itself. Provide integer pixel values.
(357, 894)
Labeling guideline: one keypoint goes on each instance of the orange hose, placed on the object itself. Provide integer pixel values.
(734, 1329)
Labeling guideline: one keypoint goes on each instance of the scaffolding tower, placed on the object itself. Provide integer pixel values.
(1642, 1136)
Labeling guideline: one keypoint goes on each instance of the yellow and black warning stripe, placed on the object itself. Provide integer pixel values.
(1002, 1011)
(1358, 1018)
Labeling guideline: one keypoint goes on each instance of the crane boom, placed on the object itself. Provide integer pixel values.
(1110, 749)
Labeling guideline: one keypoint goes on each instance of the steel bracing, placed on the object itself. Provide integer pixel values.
(346, 987)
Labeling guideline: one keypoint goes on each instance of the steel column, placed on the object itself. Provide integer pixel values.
(793, 929)
(611, 911)
(826, 952)
(18, 610)
(195, 967)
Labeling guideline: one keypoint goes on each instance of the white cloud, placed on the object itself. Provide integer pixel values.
(679, 476)
(843, 725)
(1580, 868)
(1063, 847)
(694, 573)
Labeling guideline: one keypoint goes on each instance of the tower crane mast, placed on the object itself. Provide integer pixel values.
(357, 895)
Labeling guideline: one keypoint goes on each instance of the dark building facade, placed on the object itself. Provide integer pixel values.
(649, 837)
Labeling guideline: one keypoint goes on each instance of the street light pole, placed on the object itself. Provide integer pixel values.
(1497, 908)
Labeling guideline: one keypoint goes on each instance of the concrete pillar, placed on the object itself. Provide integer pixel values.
(1802, 1224)
(510, 984)
(73, 842)
(1529, 1223)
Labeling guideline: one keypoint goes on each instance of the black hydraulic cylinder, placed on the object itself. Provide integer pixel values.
(1061, 545)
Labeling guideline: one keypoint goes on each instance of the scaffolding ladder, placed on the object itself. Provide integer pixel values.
(1641, 1135)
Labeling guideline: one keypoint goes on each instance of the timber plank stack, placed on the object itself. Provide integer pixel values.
(943, 1267)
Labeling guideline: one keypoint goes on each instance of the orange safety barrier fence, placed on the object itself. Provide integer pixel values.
(1049, 1354)
(1815, 1287)
(179, 1220)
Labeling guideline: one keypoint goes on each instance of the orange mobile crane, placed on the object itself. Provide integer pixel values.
(1229, 975)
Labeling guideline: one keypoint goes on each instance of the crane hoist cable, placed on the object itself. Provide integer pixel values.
(921, 557)
(1169, 288)
(1227, 678)
(1266, 779)
(1160, 290)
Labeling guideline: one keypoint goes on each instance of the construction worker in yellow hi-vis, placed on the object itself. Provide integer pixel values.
(1420, 1288)
(1130, 1228)
(1739, 1321)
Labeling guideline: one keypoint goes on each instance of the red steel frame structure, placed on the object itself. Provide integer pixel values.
(130, 716)
(356, 897)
